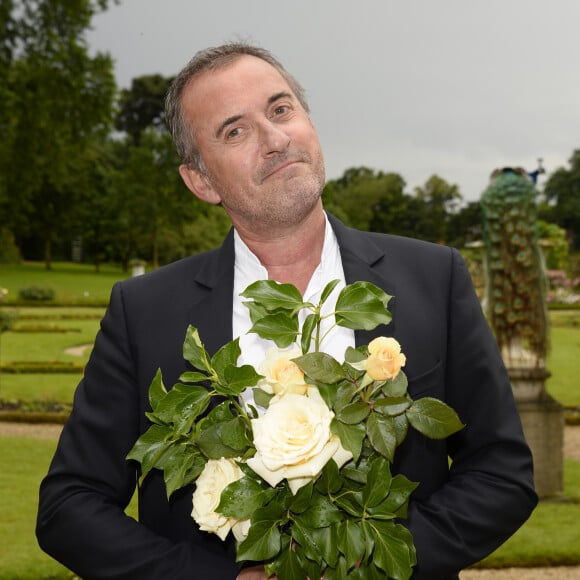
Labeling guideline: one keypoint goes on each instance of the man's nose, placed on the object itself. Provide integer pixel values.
(273, 138)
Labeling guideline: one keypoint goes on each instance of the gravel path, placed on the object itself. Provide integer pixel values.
(571, 449)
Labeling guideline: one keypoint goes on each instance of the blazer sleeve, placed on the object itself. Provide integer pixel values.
(81, 520)
(490, 490)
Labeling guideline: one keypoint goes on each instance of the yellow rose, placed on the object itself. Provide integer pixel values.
(281, 375)
(385, 359)
(293, 440)
(215, 477)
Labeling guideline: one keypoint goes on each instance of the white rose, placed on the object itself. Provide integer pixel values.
(215, 477)
(281, 375)
(293, 440)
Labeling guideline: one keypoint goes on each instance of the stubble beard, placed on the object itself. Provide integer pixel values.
(289, 201)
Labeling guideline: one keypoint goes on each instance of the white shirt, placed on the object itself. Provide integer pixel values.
(248, 269)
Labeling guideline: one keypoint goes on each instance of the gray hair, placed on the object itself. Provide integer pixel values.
(208, 60)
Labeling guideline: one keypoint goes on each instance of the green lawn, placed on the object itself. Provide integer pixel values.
(20, 556)
(50, 346)
(564, 364)
(72, 283)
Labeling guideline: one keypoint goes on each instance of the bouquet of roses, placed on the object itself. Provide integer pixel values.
(305, 486)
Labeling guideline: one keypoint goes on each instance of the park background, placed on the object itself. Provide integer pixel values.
(89, 192)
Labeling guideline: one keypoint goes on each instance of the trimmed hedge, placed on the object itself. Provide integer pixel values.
(50, 367)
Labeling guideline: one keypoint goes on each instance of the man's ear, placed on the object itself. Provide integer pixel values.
(199, 184)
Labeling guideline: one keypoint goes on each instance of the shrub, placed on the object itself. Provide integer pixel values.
(36, 293)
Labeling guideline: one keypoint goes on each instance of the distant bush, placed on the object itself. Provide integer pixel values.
(36, 293)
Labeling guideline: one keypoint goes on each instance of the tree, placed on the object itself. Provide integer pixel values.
(465, 225)
(441, 200)
(562, 193)
(58, 101)
(355, 196)
(142, 106)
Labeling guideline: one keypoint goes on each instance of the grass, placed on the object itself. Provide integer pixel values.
(29, 387)
(564, 364)
(50, 346)
(20, 556)
(72, 283)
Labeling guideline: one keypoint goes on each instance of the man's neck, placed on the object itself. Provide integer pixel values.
(290, 255)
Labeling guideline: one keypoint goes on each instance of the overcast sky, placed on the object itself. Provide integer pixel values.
(417, 87)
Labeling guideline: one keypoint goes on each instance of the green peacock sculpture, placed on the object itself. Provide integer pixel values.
(515, 282)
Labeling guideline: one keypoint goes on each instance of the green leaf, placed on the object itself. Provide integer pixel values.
(157, 390)
(153, 457)
(343, 394)
(351, 436)
(152, 438)
(401, 424)
(396, 387)
(194, 351)
(351, 503)
(299, 503)
(382, 435)
(192, 377)
(355, 355)
(262, 398)
(236, 379)
(176, 464)
(320, 513)
(394, 552)
(279, 327)
(351, 542)
(242, 498)
(235, 434)
(318, 544)
(223, 439)
(378, 482)
(353, 413)
(328, 291)
(320, 367)
(433, 418)
(397, 501)
(183, 403)
(288, 566)
(262, 543)
(362, 305)
(256, 311)
(226, 356)
(264, 538)
(392, 406)
(329, 481)
(307, 329)
(309, 542)
(273, 295)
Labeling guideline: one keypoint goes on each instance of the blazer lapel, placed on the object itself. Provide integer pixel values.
(211, 311)
(362, 259)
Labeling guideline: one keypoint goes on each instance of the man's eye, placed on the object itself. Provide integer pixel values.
(233, 133)
(281, 109)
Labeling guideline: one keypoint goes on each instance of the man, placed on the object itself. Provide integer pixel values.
(242, 128)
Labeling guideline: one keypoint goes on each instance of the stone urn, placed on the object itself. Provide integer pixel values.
(528, 383)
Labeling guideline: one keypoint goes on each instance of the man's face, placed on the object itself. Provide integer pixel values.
(261, 152)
